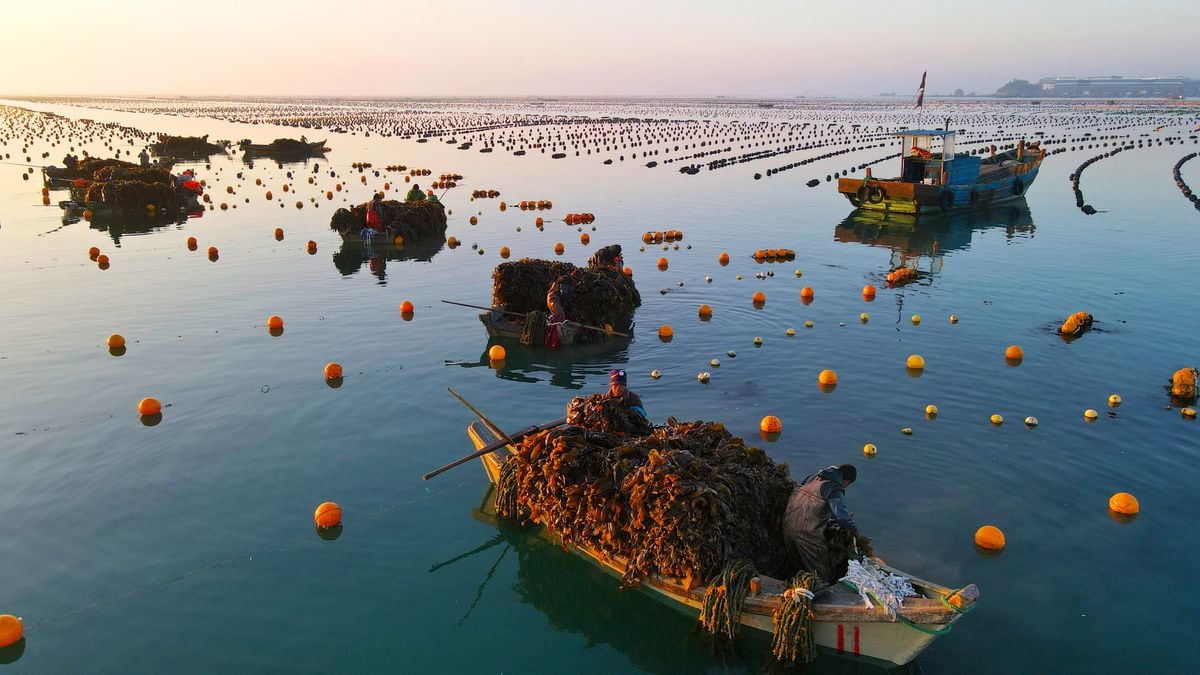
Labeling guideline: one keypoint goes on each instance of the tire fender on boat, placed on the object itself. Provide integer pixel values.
(946, 200)
(1018, 187)
(875, 194)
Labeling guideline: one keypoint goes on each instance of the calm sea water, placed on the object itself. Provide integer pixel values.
(189, 546)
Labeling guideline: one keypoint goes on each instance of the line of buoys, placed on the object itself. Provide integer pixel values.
(774, 255)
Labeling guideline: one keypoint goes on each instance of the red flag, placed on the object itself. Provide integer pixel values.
(921, 90)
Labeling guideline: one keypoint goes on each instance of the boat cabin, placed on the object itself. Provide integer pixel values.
(923, 162)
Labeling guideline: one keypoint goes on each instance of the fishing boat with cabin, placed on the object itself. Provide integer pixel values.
(933, 177)
(842, 622)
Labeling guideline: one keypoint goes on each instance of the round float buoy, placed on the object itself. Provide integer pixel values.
(662, 264)
(115, 341)
(705, 311)
(274, 322)
(1114, 400)
(869, 450)
(1090, 415)
(149, 406)
(655, 374)
(333, 370)
(504, 252)
(11, 630)
(497, 353)
(931, 410)
(827, 377)
(1124, 503)
(868, 293)
(1031, 421)
(770, 425)
(953, 318)
(406, 307)
(791, 332)
(806, 293)
(665, 332)
(723, 259)
(327, 515)
(997, 419)
(916, 362)
(93, 253)
(759, 297)
(1014, 353)
(559, 248)
(191, 243)
(916, 319)
(864, 317)
(989, 537)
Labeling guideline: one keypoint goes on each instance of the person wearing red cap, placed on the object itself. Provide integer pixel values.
(618, 391)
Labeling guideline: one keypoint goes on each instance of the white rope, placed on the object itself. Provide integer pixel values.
(888, 589)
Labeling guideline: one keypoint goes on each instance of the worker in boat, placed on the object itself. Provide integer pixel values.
(416, 194)
(608, 257)
(557, 296)
(144, 157)
(70, 161)
(815, 506)
(619, 391)
(374, 217)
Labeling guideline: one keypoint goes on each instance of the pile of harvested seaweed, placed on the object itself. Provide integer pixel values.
(185, 146)
(598, 297)
(134, 173)
(681, 501)
(132, 194)
(600, 412)
(412, 220)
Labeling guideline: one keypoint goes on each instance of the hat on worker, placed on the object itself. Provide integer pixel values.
(616, 377)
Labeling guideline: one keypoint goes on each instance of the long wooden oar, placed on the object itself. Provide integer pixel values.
(606, 331)
(492, 447)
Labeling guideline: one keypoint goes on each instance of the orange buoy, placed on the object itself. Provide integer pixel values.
(102, 259)
(584, 238)
(806, 293)
(452, 242)
(723, 259)
(759, 297)
(989, 537)
(827, 377)
(115, 341)
(406, 307)
(93, 252)
(504, 252)
(868, 293)
(665, 332)
(475, 221)
(662, 263)
(916, 362)
(191, 243)
(559, 248)
(149, 406)
(1124, 503)
(770, 425)
(11, 630)
(705, 311)
(328, 515)
(627, 271)
(398, 241)
(274, 322)
(278, 233)
(497, 353)
(1014, 353)
(212, 250)
(333, 370)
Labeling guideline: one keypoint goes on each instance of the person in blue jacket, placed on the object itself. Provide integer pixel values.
(619, 391)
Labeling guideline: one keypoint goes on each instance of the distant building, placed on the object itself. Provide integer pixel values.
(1102, 87)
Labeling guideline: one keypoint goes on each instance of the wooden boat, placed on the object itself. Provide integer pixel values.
(289, 148)
(510, 325)
(841, 624)
(945, 180)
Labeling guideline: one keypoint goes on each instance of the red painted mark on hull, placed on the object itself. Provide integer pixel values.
(841, 638)
(856, 640)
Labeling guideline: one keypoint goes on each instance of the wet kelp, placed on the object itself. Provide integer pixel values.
(597, 297)
(411, 220)
(681, 501)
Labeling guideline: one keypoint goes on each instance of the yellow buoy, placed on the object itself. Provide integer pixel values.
(11, 630)
(989, 537)
(758, 341)
(1124, 503)
(997, 419)
(149, 406)
(791, 332)
(808, 324)
(115, 341)
(327, 515)
(916, 362)
(864, 317)
(953, 318)
(916, 319)
(869, 450)
(497, 353)
(1189, 413)
(931, 410)
(1114, 400)
(1090, 415)
(770, 425)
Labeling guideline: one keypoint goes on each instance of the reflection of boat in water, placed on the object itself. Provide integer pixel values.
(355, 253)
(567, 368)
(913, 238)
(945, 180)
(841, 621)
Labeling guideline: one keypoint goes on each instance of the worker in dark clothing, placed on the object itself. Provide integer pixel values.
(815, 506)
(557, 297)
(144, 158)
(608, 257)
(618, 391)
(415, 194)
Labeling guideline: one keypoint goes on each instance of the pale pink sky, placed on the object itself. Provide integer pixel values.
(569, 47)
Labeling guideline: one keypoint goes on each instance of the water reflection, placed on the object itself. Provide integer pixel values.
(568, 367)
(921, 241)
(355, 253)
(578, 597)
(118, 223)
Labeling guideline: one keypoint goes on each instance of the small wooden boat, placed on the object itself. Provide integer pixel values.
(841, 624)
(945, 180)
(283, 147)
(510, 325)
